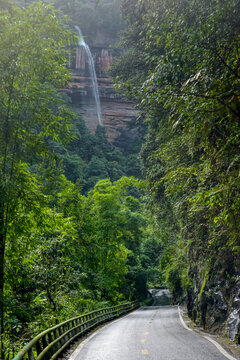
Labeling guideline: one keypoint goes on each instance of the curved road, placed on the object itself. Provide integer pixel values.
(151, 333)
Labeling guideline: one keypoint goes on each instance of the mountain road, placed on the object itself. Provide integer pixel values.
(151, 333)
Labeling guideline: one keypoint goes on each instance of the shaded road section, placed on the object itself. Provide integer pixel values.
(151, 333)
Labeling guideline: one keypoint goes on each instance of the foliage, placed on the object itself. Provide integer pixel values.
(107, 230)
(33, 59)
(76, 253)
(89, 158)
(74, 233)
(187, 83)
(92, 16)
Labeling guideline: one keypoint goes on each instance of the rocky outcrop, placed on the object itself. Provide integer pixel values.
(214, 300)
(117, 113)
(233, 320)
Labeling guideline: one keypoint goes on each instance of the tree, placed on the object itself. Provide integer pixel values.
(106, 250)
(32, 55)
(188, 90)
(109, 226)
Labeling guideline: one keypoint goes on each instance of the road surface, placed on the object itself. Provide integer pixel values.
(151, 333)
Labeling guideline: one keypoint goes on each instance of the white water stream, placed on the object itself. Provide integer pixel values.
(92, 74)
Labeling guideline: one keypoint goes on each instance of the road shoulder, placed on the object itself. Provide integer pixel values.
(232, 348)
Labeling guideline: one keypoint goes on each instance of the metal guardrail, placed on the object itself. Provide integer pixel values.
(49, 344)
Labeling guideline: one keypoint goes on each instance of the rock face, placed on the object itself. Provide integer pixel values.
(116, 112)
(215, 303)
(233, 321)
(161, 297)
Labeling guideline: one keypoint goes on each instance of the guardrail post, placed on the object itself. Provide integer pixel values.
(45, 341)
(38, 347)
(30, 355)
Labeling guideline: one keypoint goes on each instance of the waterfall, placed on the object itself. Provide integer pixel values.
(92, 73)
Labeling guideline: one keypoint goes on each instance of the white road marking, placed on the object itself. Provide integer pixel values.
(218, 346)
(182, 321)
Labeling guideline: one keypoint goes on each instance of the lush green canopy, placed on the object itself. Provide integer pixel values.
(63, 249)
(182, 67)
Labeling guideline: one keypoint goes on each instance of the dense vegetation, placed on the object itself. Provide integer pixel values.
(91, 15)
(74, 234)
(88, 157)
(182, 68)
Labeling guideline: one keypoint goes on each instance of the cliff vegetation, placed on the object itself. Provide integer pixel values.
(181, 66)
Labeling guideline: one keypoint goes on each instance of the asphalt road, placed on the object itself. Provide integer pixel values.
(151, 333)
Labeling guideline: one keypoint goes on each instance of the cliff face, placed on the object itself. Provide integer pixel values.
(116, 112)
(214, 299)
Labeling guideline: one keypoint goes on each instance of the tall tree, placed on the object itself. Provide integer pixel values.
(32, 69)
(189, 89)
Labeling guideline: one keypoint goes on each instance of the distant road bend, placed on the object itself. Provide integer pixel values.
(151, 333)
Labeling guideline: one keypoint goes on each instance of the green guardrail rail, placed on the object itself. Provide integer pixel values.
(49, 344)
